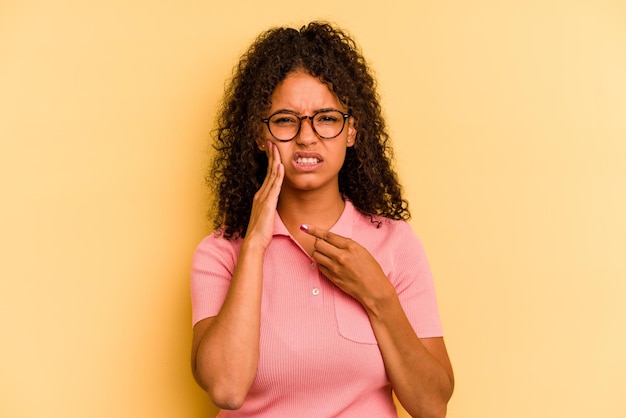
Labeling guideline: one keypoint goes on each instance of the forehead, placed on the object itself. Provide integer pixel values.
(302, 92)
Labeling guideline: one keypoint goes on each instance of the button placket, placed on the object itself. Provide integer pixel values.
(316, 295)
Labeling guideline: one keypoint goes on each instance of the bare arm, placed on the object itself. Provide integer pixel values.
(225, 348)
(419, 369)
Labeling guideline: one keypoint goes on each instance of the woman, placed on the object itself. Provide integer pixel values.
(313, 296)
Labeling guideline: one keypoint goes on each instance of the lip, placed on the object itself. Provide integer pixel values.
(306, 167)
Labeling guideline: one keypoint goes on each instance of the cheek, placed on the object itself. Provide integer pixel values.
(340, 156)
(282, 151)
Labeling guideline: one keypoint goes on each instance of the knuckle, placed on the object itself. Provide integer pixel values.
(343, 258)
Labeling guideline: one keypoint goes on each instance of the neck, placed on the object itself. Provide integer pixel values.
(312, 208)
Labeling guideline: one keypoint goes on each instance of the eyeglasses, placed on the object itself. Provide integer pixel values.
(326, 123)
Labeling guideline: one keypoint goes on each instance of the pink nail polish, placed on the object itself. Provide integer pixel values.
(304, 227)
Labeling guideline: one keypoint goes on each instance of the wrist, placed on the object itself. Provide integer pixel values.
(378, 304)
(253, 245)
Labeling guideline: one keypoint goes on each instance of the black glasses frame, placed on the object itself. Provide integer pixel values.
(266, 121)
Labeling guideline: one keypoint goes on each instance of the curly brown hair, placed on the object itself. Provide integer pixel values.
(328, 53)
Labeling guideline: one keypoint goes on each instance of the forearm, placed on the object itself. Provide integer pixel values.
(422, 380)
(227, 354)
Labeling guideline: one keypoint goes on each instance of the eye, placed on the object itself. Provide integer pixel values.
(284, 119)
(327, 117)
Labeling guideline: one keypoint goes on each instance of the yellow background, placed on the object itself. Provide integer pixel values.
(509, 122)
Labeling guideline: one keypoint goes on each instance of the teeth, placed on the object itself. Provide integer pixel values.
(307, 160)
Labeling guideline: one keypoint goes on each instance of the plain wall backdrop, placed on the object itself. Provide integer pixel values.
(509, 123)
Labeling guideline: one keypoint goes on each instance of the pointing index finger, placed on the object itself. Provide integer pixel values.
(329, 237)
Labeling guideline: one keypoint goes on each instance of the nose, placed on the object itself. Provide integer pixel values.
(307, 135)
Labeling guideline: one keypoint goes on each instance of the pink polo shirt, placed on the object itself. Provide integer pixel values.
(318, 353)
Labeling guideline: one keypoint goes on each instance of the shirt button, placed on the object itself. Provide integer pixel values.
(315, 291)
(312, 266)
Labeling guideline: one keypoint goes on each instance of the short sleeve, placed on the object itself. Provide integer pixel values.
(414, 283)
(212, 268)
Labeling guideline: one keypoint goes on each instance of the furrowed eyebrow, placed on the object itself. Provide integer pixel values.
(285, 111)
(328, 109)
(293, 112)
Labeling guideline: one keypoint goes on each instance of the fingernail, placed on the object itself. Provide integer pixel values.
(304, 227)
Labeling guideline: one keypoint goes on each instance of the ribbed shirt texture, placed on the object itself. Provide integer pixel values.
(318, 353)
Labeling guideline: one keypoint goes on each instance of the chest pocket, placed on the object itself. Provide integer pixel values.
(352, 321)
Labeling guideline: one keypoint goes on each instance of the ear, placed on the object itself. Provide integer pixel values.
(260, 143)
(351, 132)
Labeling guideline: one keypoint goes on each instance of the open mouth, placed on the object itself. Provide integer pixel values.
(310, 160)
(307, 161)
